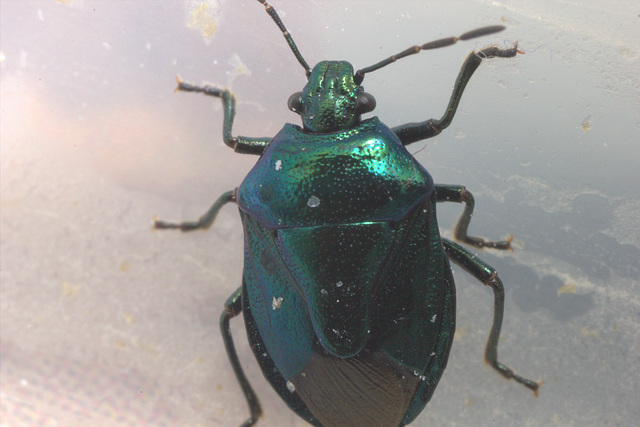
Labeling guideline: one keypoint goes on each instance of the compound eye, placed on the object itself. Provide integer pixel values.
(295, 102)
(365, 103)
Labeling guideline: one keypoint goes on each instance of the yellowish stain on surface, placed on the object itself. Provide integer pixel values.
(147, 348)
(125, 266)
(590, 333)
(201, 18)
(461, 331)
(568, 288)
(69, 290)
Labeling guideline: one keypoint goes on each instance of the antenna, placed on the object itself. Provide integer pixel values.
(274, 15)
(436, 44)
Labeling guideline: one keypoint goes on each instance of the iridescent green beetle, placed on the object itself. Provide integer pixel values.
(347, 294)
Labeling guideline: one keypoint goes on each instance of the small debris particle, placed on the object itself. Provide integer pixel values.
(313, 202)
(277, 303)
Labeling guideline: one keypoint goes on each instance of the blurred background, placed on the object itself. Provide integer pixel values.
(105, 322)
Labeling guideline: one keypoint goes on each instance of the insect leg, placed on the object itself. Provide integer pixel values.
(412, 132)
(232, 308)
(240, 144)
(487, 275)
(459, 194)
(205, 221)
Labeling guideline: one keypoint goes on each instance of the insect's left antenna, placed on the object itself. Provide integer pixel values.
(274, 15)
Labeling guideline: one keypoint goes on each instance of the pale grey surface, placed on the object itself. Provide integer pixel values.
(105, 322)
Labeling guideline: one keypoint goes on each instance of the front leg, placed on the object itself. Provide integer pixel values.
(240, 144)
(412, 132)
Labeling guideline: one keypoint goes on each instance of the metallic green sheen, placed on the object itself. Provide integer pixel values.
(363, 174)
(346, 283)
(329, 98)
(347, 292)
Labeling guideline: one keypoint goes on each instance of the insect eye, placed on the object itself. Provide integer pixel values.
(295, 102)
(365, 103)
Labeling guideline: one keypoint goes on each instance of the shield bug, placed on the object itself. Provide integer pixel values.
(347, 292)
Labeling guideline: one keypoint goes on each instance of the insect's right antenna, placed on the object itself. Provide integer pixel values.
(272, 12)
(484, 31)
